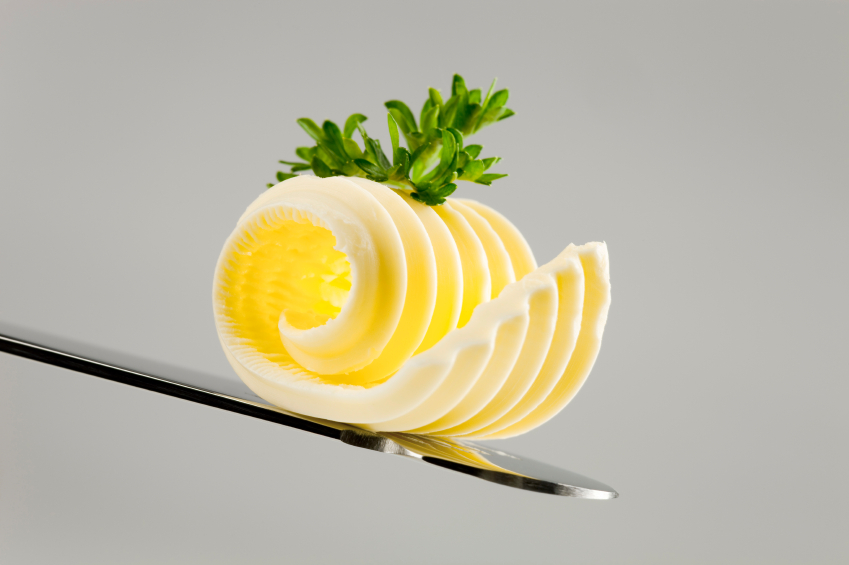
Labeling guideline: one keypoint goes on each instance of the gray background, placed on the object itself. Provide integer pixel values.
(706, 143)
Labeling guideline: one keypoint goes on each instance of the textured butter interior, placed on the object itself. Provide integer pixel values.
(282, 266)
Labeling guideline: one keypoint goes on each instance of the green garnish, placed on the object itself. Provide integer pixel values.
(434, 157)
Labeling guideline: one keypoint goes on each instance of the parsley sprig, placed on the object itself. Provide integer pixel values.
(434, 157)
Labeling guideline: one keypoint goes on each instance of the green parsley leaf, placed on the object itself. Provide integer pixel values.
(434, 157)
(474, 150)
(351, 124)
(305, 153)
(311, 128)
(320, 168)
(407, 123)
(487, 179)
(393, 136)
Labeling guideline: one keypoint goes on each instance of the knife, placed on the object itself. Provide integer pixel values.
(461, 456)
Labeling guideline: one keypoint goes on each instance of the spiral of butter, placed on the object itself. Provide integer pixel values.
(343, 299)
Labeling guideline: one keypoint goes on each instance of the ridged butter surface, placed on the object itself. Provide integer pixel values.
(346, 300)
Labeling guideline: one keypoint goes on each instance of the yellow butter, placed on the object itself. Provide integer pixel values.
(346, 300)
